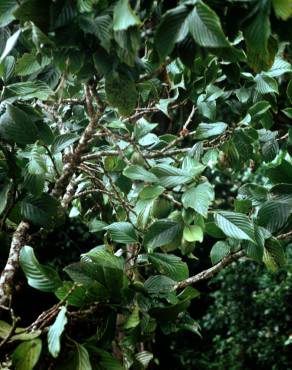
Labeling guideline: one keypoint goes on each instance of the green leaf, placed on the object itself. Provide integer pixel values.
(235, 225)
(199, 198)
(26, 354)
(205, 27)
(107, 361)
(206, 130)
(259, 108)
(124, 17)
(266, 84)
(143, 359)
(273, 215)
(16, 125)
(270, 149)
(122, 232)
(274, 256)
(28, 64)
(169, 30)
(169, 265)
(121, 93)
(4, 191)
(281, 173)
(55, 332)
(257, 31)
(289, 91)
(63, 141)
(28, 90)
(219, 251)
(256, 193)
(162, 232)
(159, 284)
(39, 210)
(38, 276)
(151, 192)
(10, 43)
(7, 8)
(20, 333)
(35, 171)
(136, 172)
(282, 8)
(81, 359)
(193, 233)
(170, 176)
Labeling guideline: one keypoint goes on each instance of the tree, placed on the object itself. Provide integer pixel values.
(158, 124)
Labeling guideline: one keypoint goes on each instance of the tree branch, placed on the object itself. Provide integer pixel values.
(6, 279)
(207, 274)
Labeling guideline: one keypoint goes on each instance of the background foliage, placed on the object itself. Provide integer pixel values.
(160, 132)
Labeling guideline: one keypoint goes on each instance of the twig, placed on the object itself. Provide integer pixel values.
(285, 236)
(207, 274)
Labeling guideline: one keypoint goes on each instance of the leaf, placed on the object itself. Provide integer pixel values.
(280, 173)
(35, 171)
(4, 191)
(274, 256)
(124, 17)
(170, 176)
(289, 91)
(151, 192)
(273, 215)
(199, 198)
(270, 149)
(256, 193)
(63, 141)
(235, 225)
(16, 125)
(122, 232)
(282, 8)
(81, 359)
(28, 90)
(162, 232)
(206, 130)
(266, 84)
(121, 93)
(10, 43)
(136, 172)
(39, 210)
(26, 354)
(107, 361)
(193, 233)
(38, 276)
(257, 31)
(259, 108)
(28, 64)
(169, 265)
(219, 251)
(169, 30)
(7, 8)
(143, 359)
(159, 284)
(205, 27)
(55, 332)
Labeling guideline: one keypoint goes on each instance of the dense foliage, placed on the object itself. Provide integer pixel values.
(161, 126)
(247, 323)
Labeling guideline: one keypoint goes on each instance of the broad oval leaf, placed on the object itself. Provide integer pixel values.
(162, 232)
(38, 276)
(235, 225)
(55, 332)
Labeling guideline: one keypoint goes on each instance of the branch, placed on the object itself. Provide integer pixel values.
(7, 276)
(75, 158)
(207, 274)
